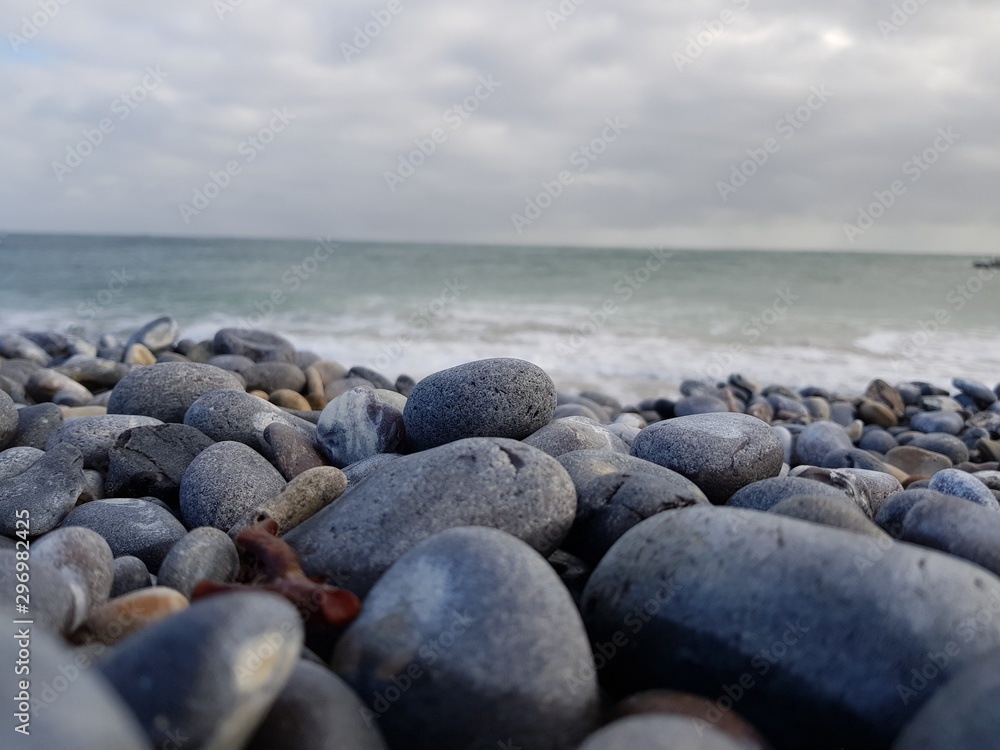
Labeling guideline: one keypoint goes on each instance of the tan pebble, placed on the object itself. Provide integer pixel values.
(138, 354)
(872, 412)
(71, 412)
(260, 394)
(314, 389)
(304, 497)
(124, 615)
(289, 399)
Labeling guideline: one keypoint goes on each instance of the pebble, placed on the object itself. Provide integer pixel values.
(766, 493)
(205, 554)
(95, 436)
(980, 393)
(943, 443)
(610, 504)
(304, 497)
(14, 346)
(51, 600)
(290, 451)
(241, 417)
(963, 485)
(150, 461)
(317, 710)
(287, 399)
(13, 461)
(661, 732)
(84, 560)
(35, 425)
(273, 376)
(131, 574)
(361, 423)
(877, 440)
(917, 461)
(494, 482)
(699, 404)
(157, 335)
(130, 526)
(233, 362)
(820, 676)
(93, 373)
(506, 398)
(487, 638)
(953, 525)
(259, 346)
(950, 422)
(211, 671)
(879, 414)
(892, 513)
(829, 511)
(137, 354)
(818, 439)
(573, 434)
(83, 712)
(842, 479)
(225, 482)
(49, 385)
(166, 390)
(126, 615)
(47, 490)
(718, 452)
(878, 485)
(851, 458)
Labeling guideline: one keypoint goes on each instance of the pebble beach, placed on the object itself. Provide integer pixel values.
(232, 543)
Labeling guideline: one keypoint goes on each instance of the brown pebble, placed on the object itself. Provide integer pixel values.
(917, 461)
(289, 399)
(290, 451)
(120, 617)
(138, 354)
(873, 412)
(72, 412)
(314, 388)
(260, 394)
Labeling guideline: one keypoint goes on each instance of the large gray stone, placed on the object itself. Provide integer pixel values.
(224, 482)
(474, 482)
(361, 423)
(813, 674)
(95, 436)
(166, 390)
(47, 490)
(489, 640)
(240, 416)
(130, 526)
(508, 398)
(13, 461)
(719, 452)
(210, 672)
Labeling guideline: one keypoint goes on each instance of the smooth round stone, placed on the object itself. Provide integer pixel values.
(84, 560)
(817, 440)
(909, 392)
(361, 423)
(718, 452)
(956, 526)
(211, 671)
(304, 497)
(850, 458)
(343, 385)
(964, 485)
(131, 574)
(789, 408)
(288, 399)
(873, 412)
(627, 433)
(290, 451)
(584, 466)
(819, 407)
(205, 554)
(660, 732)
(937, 421)
(960, 715)
(877, 440)
(48, 490)
(892, 513)
(157, 335)
(488, 639)
(829, 511)
(506, 398)
(260, 346)
(317, 710)
(13, 461)
(49, 385)
(150, 461)
(363, 469)
(273, 376)
(94, 373)
(787, 442)
(14, 346)
(223, 483)
(611, 504)
(233, 362)
(81, 711)
(940, 402)
(834, 681)
(95, 436)
(699, 404)
(166, 390)
(8, 420)
(130, 526)
(766, 493)
(943, 443)
(574, 434)
(51, 600)
(241, 417)
(35, 425)
(493, 482)
(917, 462)
(978, 392)
(760, 408)
(126, 615)
(404, 384)
(137, 354)
(881, 392)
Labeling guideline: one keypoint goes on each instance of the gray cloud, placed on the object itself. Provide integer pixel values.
(751, 63)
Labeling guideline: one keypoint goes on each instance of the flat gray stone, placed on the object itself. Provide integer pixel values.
(493, 482)
(166, 390)
(719, 452)
(488, 640)
(818, 439)
(507, 398)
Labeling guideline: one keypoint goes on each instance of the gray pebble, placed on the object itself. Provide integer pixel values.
(877, 440)
(49, 385)
(94, 373)
(978, 392)
(260, 346)
(829, 511)
(466, 603)
(766, 493)
(150, 461)
(84, 560)
(131, 574)
(273, 376)
(290, 451)
(166, 390)
(493, 482)
(817, 440)
(702, 403)
(950, 422)
(661, 732)
(956, 526)
(95, 436)
(13, 461)
(35, 425)
(224, 482)
(719, 452)
(508, 398)
(157, 335)
(14, 346)
(48, 490)
(205, 554)
(962, 484)
(242, 417)
(574, 434)
(361, 423)
(943, 443)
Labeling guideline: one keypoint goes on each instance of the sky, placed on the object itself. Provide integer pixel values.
(858, 125)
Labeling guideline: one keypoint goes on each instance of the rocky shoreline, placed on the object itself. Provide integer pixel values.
(233, 544)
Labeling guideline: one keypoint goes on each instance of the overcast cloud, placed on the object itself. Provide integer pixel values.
(687, 87)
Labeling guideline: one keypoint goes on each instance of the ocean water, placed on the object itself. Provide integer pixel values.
(631, 322)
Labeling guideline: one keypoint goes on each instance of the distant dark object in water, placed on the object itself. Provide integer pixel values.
(993, 262)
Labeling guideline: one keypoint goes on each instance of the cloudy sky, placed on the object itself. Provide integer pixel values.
(864, 124)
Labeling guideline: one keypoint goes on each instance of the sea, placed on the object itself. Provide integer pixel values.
(631, 322)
